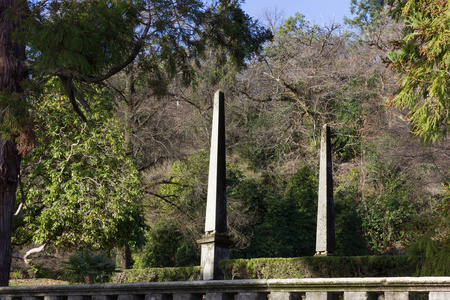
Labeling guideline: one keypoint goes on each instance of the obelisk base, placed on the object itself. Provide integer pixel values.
(324, 253)
(214, 248)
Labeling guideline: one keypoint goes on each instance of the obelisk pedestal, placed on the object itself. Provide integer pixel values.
(214, 248)
(215, 243)
(325, 238)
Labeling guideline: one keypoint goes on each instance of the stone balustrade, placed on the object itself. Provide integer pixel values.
(390, 288)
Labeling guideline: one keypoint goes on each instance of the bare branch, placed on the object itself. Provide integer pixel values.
(31, 251)
(167, 200)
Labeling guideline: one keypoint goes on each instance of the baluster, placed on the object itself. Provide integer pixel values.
(219, 296)
(286, 296)
(187, 296)
(396, 295)
(77, 297)
(158, 297)
(98, 297)
(252, 296)
(439, 296)
(55, 298)
(130, 297)
(324, 295)
(356, 296)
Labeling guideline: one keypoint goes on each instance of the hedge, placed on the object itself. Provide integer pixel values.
(328, 267)
(157, 275)
(297, 267)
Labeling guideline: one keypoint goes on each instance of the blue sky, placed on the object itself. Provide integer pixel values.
(316, 11)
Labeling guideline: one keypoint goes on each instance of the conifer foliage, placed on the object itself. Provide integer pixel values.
(423, 59)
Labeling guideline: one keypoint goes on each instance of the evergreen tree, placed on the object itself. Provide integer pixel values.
(88, 42)
(12, 73)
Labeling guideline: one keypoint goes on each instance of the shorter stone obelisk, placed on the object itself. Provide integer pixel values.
(215, 243)
(325, 238)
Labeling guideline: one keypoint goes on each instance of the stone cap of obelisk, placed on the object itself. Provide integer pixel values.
(216, 211)
(325, 238)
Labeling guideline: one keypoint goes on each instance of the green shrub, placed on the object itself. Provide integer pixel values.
(88, 267)
(432, 250)
(431, 255)
(395, 211)
(19, 274)
(285, 215)
(157, 275)
(36, 271)
(297, 267)
(349, 234)
(166, 246)
(39, 271)
(310, 267)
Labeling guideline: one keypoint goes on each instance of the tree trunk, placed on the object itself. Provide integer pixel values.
(12, 72)
(9, 171)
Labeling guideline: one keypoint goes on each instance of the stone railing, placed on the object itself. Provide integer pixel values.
(390, 288)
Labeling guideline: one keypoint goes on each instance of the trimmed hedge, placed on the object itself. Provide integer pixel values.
(297, 267)
(325, 266)
(157, 275)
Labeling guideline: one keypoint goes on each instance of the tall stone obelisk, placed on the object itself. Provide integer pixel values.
(215, 243)
(325, 238)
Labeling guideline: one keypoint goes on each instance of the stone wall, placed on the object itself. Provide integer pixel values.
(390, 288)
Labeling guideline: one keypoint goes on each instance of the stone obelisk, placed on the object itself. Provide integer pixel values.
(325, 238)
(215, 243)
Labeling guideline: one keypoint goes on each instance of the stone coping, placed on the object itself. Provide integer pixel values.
(411, 284)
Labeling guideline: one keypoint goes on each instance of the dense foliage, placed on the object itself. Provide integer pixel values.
(135, 174)
(383, 203)
(157, 275)
(420, 58)
(319, 267)
(79, 188)
(82, 44)
(423, 61)
(268, 268)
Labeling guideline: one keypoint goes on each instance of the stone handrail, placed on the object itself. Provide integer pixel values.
(388, 288)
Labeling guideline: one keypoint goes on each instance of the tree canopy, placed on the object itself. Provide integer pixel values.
(79, 188)
(421, 59)
(131, 170)
(84, 44)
